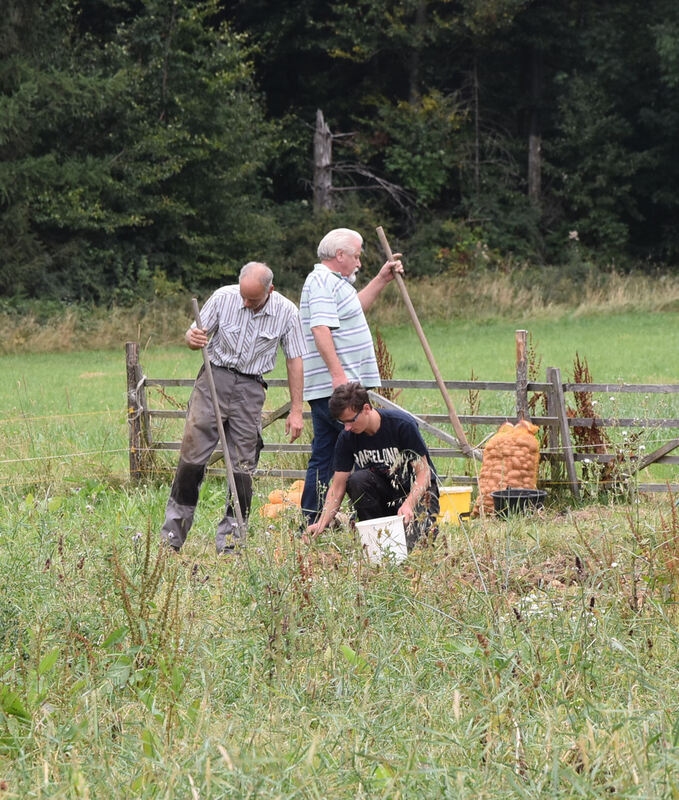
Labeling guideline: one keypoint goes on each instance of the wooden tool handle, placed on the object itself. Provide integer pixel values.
(231, 480)
(454, 419)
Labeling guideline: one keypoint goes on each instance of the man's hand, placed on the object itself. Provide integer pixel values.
(406, 511)
(339, 379)
(311, 532)
(333, 501)
(388, 269)
(294, 425)
(419, 487)
(196, 338)
(372, 291)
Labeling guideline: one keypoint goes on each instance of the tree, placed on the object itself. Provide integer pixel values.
(605, 141)
(131, 153)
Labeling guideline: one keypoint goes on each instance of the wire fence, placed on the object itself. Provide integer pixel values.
(560, 427)
(37, 453)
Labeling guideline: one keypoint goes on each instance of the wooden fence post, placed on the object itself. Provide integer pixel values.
(556, 466)
(558, 409)
(134, 409)
(521, 376)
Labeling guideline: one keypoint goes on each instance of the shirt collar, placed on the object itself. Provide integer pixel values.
(333, 272)
(265, 309)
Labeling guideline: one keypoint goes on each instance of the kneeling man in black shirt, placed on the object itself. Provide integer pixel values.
(382, 463)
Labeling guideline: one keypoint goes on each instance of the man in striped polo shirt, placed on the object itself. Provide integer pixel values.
(339, 343)
(242, 328)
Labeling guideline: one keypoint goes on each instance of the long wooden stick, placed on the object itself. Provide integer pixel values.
(220, 426)
(466, 448)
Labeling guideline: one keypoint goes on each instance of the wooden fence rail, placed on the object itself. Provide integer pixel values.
(558, 423)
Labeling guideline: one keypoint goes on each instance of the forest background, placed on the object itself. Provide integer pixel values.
(148, 147)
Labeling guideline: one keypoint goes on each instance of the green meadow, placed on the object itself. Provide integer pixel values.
(533, 657)
(65, 413)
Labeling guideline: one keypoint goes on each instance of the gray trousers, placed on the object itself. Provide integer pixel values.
(240, 405)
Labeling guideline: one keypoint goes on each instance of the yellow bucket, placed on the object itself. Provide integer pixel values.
(454, 501)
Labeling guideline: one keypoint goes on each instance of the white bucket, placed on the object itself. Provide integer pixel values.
(383, 536)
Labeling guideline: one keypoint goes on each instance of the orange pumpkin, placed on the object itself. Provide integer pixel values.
(270, 510)
(277, 496)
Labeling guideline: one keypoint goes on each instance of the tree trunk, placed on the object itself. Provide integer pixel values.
(416, 49)
(477, 138)
(322, 164)
(534, 129)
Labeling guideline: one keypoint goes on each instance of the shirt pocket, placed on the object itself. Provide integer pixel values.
(265, 345)
(228, 338)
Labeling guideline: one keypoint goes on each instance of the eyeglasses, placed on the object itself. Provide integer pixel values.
(353, 419)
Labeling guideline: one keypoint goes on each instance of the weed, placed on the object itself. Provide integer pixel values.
(537, 402)
(473, 408)
(486, 656)
(385, 365)
(149, 626)
(590, 438)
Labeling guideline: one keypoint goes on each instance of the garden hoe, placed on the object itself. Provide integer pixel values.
(466, 448)
(220, 427)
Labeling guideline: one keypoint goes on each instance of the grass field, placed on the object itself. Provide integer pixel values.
(65, 412)
(522, 659)
(530, 658)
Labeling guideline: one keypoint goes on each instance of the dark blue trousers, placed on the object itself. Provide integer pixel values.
(320, 467)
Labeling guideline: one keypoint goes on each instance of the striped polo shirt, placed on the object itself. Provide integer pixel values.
(328, 299)
(248, 341)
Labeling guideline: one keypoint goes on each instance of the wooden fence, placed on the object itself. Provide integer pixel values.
(561, 451)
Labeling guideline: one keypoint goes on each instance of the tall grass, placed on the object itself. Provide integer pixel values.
(529, 658)
(535, 657)
(530, 294)
(72, 327)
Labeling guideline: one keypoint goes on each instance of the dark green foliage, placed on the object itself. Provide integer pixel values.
(418, 144)
(291, 246)
(144, 141)
(128, 156)
(597, 191)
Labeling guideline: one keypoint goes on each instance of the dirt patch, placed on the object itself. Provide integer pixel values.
(557, 573)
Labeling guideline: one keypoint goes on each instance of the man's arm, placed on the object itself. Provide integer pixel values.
(333, 500)
(419, 487)
(294, 422)
(326, 348)
(370, 293)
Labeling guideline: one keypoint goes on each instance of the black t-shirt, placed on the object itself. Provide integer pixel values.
(391, 451)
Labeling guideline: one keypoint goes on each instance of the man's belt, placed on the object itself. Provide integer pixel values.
(235, 371)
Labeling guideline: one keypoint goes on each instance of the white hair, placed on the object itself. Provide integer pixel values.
(259, 270)
(338, 239)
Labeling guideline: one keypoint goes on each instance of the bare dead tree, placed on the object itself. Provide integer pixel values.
(322, 164)
(356, 176)
(403, 199)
